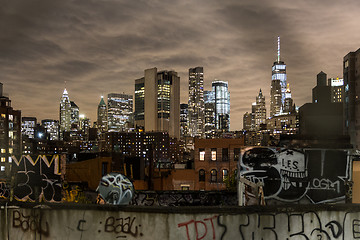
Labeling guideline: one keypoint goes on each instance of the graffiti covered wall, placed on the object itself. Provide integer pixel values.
(184, 198)
(297, 175)
(322, 222)
(37, 178)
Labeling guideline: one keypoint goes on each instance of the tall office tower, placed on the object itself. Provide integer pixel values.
(10, 134)
(253, 111)
(102, 123)
(209, 105)
(28, 125)
(260, 110)
(351, 97)
(278, 85)
(84, 127)
(275, 98)
(52, 128)
(74, 119)
(157, 102)
(222, 105)
(119, 110)
(337, 89)
(65, 114)
(183, 120)
(288, 103)
(248, 119)
(196, 102)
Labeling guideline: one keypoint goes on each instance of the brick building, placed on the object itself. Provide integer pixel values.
(215, 159)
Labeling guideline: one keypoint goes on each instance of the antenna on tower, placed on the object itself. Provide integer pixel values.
(278, 50)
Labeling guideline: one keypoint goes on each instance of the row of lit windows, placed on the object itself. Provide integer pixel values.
(213, 152)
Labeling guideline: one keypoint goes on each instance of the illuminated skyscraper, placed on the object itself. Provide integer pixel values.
(157, 102)
(209, 102)
(183, 120)
(196, 102)
(260, 110)
(65, 114)
(288, 103)
(278, 85)
(248, 120)
(28, 125)
(74, 120)
(84, 127)
(222, 105)
(52, 128)
(119, 110)
(337, 89)
(102, 122)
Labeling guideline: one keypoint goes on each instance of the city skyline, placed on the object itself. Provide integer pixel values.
(102, 47)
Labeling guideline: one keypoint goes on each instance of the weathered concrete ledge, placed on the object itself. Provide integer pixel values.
(81, 221)
(187, 209)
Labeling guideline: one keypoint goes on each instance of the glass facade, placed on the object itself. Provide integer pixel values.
(119, 110)
(52, 128)
(278, 85)
(279, 73)
(209, 102)
(278, 93)
(222, 105)
(164, 83)
(196, 106)
(164, 80)
(74, 120)
(139, 100)
(28, 126)
(183, 119)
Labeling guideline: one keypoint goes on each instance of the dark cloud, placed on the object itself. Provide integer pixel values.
(102, 46)
(73, 68)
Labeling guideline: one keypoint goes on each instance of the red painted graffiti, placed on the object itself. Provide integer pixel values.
(200, 227)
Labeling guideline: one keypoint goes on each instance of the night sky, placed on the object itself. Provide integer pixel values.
(98, 47)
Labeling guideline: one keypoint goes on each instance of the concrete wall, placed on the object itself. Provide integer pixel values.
(58, 221)
(356, 181)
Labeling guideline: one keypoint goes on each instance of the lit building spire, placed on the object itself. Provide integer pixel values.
(288, 91)
(278, 50)
(278, 85)
(288, 87)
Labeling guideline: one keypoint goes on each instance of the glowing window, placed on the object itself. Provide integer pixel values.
(2, 159)
(2, 168)
(213, 154)
(185, 187)
(3, 150)
(225, 173)
(202, 154)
